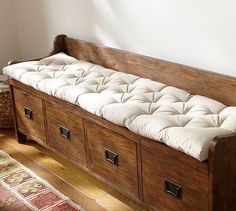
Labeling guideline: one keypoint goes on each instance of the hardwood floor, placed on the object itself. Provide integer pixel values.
(72, 181)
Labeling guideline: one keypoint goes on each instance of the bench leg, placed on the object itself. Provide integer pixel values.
(21, 138)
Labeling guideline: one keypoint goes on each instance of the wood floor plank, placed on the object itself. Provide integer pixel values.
(119, 202)
(111, 203)
(56, 182)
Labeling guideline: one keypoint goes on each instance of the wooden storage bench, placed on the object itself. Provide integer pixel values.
(147, 171)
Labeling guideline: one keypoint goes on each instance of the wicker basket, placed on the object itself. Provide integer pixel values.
(6, 117)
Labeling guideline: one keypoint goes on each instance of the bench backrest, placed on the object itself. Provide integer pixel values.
(216, 86)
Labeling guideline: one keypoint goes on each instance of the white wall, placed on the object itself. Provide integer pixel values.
(8, 34)
(198, 33)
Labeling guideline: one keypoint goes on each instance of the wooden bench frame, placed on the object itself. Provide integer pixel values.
(218, 173)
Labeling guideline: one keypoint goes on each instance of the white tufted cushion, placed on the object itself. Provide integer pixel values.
(182, 121)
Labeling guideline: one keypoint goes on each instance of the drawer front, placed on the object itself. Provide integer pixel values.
(113, 157)
(65, 133)
(171, 185)
(29, 112)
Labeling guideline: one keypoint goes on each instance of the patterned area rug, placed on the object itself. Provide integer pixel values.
(21, 189)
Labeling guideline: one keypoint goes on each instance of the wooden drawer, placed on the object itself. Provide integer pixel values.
(29, 112)
(113, 157)
(65, 133)
(157, 167)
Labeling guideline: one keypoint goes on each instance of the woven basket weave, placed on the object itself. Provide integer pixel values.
(6, 117)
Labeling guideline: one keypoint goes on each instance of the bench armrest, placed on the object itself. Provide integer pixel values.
(222, 173)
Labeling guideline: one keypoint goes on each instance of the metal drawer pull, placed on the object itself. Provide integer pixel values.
(64, 132)
(172, 189)
(111, 157)
(28, 113)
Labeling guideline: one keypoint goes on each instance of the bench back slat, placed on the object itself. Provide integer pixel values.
(196, 81)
